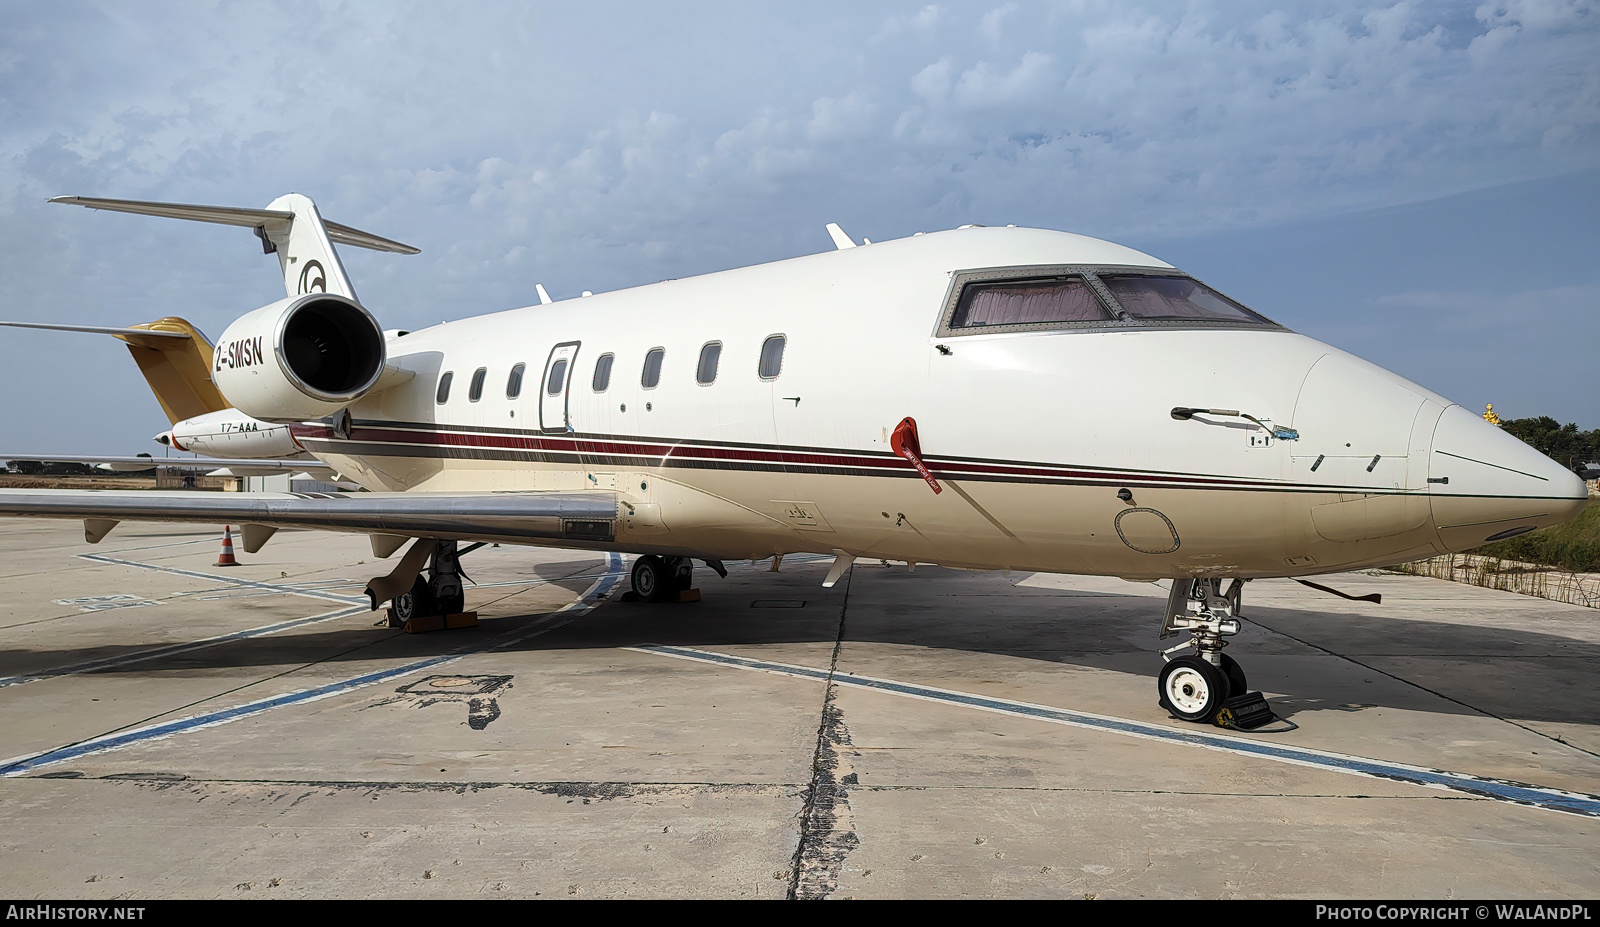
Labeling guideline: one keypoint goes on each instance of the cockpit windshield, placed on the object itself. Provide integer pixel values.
(1025, 302)
(1078, 297)
(1178, 299)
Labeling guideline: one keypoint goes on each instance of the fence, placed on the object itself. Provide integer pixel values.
(1510, 576)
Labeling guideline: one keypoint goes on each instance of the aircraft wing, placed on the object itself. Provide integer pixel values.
(526, 517)
(237, 466)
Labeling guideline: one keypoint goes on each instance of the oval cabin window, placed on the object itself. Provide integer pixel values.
(772, 357)
(652, 368)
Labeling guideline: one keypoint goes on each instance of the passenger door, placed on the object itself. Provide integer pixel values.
(554, 387)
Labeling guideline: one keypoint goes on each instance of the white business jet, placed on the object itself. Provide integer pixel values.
(979, 398)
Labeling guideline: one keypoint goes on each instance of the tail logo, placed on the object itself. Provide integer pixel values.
(313, 279)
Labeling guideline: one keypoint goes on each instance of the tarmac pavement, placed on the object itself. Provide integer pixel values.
(173, 729)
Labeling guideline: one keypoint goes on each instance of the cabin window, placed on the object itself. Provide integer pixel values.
(475, 390)
(1028, 302)
(602, 372)
(1175, 299)
(706, 373)
(558, 377)
(514, 381)
(652, 368)
(443, 395)
(772, 357)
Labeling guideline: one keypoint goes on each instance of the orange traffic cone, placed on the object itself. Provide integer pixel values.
(226, 558)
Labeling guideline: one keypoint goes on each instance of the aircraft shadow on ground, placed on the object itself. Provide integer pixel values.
(1507, 672)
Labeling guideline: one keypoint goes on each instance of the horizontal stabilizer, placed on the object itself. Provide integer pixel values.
(136, 333)
(174, 357)
(233, 215)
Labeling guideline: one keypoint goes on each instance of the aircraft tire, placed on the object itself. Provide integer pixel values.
(652, 581)
(419, 601)
(1237, 683)
(682, 571)
(1192, 689)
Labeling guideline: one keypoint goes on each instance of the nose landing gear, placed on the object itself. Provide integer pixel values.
(1208, 685)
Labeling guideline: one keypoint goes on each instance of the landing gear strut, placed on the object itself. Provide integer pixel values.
(1207, 685)
(660, 579)
(437, 593)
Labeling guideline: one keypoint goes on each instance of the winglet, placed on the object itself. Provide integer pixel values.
(544, 298)
(841, 241)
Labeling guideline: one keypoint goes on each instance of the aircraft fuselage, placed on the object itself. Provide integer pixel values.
(1058, 450)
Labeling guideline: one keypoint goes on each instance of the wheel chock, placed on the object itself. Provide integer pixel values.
(1245, 712)
(688, 595)
(461, 620)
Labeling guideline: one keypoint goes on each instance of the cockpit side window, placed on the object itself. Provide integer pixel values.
(1175, 299)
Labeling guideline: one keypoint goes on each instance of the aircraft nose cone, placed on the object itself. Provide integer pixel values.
(1487, 485)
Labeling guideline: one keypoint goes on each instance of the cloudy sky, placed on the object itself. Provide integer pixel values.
(1416, 182)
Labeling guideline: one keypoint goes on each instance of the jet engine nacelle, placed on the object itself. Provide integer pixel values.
(299, 358)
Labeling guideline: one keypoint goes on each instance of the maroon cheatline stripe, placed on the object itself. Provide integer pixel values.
(422, 434)
(664, 452)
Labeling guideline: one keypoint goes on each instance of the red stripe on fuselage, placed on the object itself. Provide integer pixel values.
(687, 452)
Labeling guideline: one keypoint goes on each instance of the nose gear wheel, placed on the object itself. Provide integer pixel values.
(1192, 689)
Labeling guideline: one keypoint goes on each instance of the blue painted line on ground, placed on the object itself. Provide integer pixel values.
(228, 580)
(585, 603)
(1499, 790)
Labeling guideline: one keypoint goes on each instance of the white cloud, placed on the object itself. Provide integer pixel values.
(993, 21)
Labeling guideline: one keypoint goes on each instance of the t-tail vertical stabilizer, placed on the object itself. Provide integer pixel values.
(309, 263)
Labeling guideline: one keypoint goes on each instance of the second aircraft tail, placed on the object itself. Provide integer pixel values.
(174, 357)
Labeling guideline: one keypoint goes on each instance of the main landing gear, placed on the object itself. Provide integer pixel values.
(437, 593)
(662, 579)
(1208, 685)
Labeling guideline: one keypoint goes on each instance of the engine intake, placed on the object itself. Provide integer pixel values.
(299, 358)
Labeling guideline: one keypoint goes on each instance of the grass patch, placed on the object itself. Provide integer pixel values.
(1573, 546)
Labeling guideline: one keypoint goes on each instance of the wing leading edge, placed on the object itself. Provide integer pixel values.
(538, 518)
